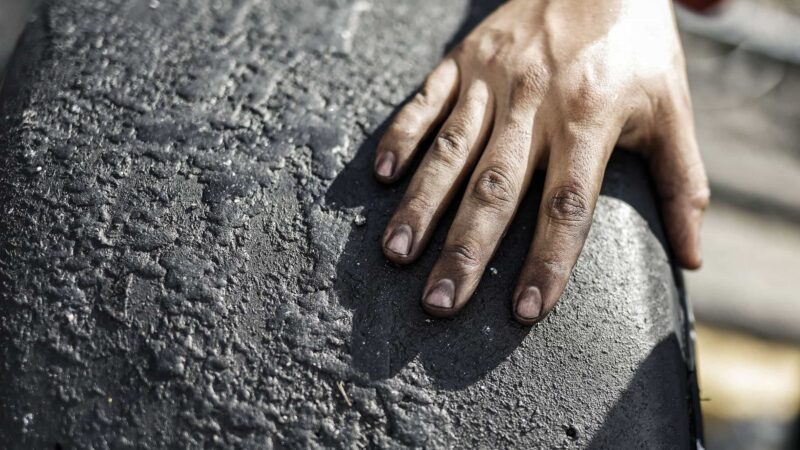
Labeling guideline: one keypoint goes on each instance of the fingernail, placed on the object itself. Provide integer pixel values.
(529, 303)
(400, 240)
(385, 165)
(441, 294)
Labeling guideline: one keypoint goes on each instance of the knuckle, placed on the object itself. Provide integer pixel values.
(417, 204)
(522, 90)
(699, 198)
(489, 47)
(495, 187)
(552, 265)
(568, 204)
(527, 85)
(493, 45)
(677, 193)
(464, 252)
(451, 145)
(424, 98)
(549, 267)
(405, 127)
(585, 98)
(421, 99)
(590, 93)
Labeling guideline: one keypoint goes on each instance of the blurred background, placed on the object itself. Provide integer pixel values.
(743, 60)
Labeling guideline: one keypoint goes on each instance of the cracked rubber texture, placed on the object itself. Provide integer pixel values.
(190, 250)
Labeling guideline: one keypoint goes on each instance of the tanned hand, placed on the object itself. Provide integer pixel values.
(556, 84)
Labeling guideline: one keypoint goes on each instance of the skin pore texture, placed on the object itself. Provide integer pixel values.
(551, 84)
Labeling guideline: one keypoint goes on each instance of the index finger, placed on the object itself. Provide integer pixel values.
(574, 177)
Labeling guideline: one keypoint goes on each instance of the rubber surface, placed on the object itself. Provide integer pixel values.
(190, 250)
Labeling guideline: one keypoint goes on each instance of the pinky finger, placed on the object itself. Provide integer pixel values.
(417, 120)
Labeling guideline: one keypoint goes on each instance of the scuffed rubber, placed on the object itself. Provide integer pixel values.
(190, 252)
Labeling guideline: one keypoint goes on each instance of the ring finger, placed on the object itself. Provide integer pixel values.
(441, 172)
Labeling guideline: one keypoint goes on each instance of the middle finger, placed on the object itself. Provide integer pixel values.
(489, 204)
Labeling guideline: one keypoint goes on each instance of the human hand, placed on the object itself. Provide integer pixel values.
(549, 83)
